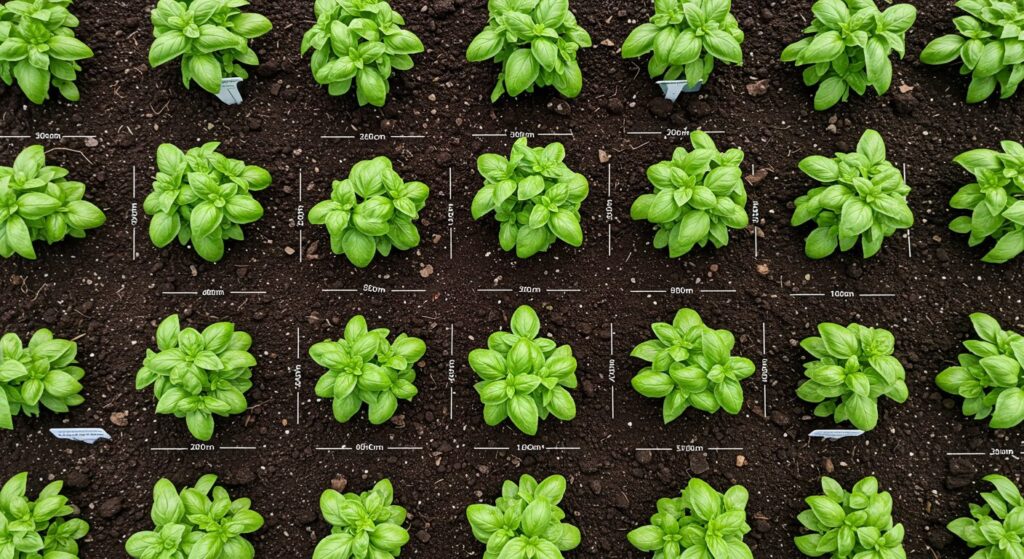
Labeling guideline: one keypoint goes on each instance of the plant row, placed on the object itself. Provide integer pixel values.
(524, 377)
(359, 44)
(526, 522)
(204, 199)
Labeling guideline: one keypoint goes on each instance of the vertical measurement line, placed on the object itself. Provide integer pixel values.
(753, 171)
(298, 392)
(135, 212)
(611, 354)
(451, 386)
(609, 209)
(303, 210)
(764, 357)
(451, 222)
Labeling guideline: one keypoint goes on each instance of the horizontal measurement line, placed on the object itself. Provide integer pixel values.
(13, 137)
(555, 134)
(494, 290)
(966, 454)
(564, 290)
(562, 448)
(648, 291)
(238, 448)
(645, 133)
(655, 449)
(79, 137)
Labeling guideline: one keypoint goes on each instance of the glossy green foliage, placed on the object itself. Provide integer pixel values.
(853, 524)
(40, 528)
(43, 374)
(363, 526)
(995, 200)
(38, 48)
(995, 529)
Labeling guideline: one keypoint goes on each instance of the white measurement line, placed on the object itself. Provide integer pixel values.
(555, 134)
(300, 228)
(79, 137)
(562, 448)
(340, 290)
(655, 449)
(563, 290)
(238, 448)
(764, 339)
(967, 454)
(611, 339)
(877, 295)
(408, 290)
(490, 448)
(451, 228)
(610, 208)
(298, 408)
(645, 133)
(14, 137)
(494, 290)
(135, 226)
(332, 448)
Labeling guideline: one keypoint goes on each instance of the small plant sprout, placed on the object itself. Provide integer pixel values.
(995, 529)
(525, 522)
(363, 526)
(534, 196)
(40, 528)
(698, 197)
(701, 523)
(853, 368)
(43, 374)
(851, 525)
(691, 365)
(990, 378)
(995, 200)
(862, 198)
(525, 378)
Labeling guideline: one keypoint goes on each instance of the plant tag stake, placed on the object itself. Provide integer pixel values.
(229, 93)
(84, 435)
(836, 434)
(674, 88)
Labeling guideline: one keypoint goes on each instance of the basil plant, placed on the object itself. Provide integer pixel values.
(853, 524)
(198, 375)
(210, 36)
(536, 43)
(701, 523)
(525, 522)
(535, 197)
(691, 365)
(853, 368)
(202, 197)
(364, 367)
(686, 37)
(995, 200)
(360, 43)
(43, 374)
(199, 522)
(849, 46)
(995, 529)
(38, 48)
(988, 45)
(524, 377)
(363, 526)
(38, 203)
(372, 211)
(862, 198)
(40, 528)
(990, 378)
(698, 196)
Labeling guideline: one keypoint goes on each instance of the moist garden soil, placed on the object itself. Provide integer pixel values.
(109, 298)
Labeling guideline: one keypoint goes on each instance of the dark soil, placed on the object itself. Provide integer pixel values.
(96, 292)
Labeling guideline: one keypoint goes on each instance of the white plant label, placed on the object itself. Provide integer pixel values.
(83, 435)
(836, 434)
(674, 88)
(229, 93)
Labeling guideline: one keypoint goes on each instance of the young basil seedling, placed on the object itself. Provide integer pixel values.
(202, 197)
(849, 48)
(361, 43)
(686, 37)
(210, 36)
(42, 375)
(700, 523)
(38, 529)
(200, 522)
(691, 365)
(364, 367)
(534, 196)
(38, 203)
(698, 196)
(995, 200)
(863, 197)
(524, 377)
(38, 48)
(847, 525)
(372, 211)
(536, 44)
(198, 375)
(363, 526)
(853, 368)
(525, 522)
(995, 529)
(990, 377)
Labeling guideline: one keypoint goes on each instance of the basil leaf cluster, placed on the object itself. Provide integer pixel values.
(698, 196)
(210, 36)
(863, 197)
(536, 43)
(38, 48)
(361, 43)
(364, 367)
(38, 203)
(363, 526)
(40, 528)
(700, 523)
(995, 200)
(524, 377)
(849, 46)
(691, 365)
(686, 37)
(203, 197)
(847, 525)
(534, 196)
(525, 522)
(990, 378)
(988, 44)
(42, 375)
(995, 529)
(372, 211)
(200, 522)
(853, 368)
(197, 375)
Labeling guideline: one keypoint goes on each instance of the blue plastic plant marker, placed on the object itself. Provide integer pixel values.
(835, 434)
(229, 94)
(83, 435)
(674, 88)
